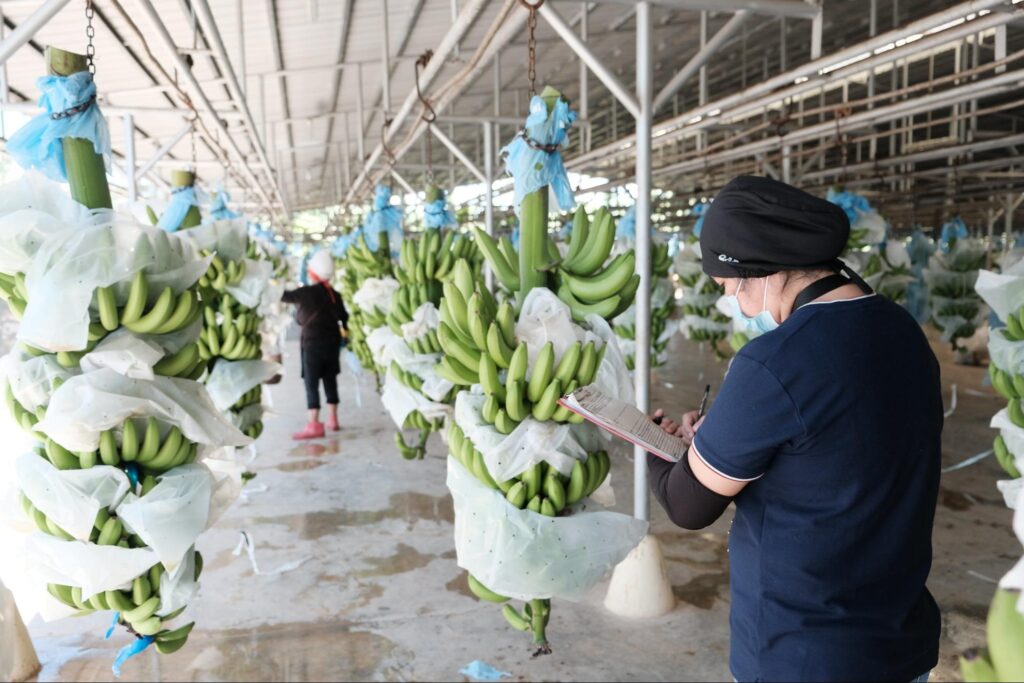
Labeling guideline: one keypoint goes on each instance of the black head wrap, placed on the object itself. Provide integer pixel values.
(759, 226)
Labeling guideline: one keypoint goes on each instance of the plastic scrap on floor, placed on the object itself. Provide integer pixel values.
(482, 671)
(982, 577)
(246, 543)
(969, 461)
(952, 403)
(129, 651)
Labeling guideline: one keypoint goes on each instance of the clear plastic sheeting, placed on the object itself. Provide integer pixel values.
(1014, 579)
(91, 567)
(424, 319)
(376, 292)
(92, 403)
(1003, 292)
(32, 378)
(1007, 355)
(526, 556)
(125, 353)
(66, 271)
(256, 288)
(1012, 435)
(228, 238)
(229, 380)
(32, 210)
(400, 401)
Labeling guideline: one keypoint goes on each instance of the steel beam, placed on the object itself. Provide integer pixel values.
(29, 27)
(163, 150)
(129, 158)
(489, 193)
(459, 154)
(788, 8)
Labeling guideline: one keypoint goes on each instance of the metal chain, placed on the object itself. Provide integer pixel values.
(192, 143)
(90, 33)
(531, 44)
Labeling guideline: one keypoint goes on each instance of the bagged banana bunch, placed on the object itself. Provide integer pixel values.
(414, 394)
(521, 466)
(701, 321)
(888, 270)
(956, 309)
(1003, 658)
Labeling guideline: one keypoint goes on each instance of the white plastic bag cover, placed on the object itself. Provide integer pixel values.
(382, 342)
(32, 210)
(423, 365)
(89, 404)
(71, 498)
(873, 223)
(172, 515)
(178, 587)
(91, 567)
(247, 416)
(32, 377)
(1014, 579)
(256, 284)
(1002, 292)
(424, 319)
(65, 273)
(1007, 355)
(230, 379)
(1011, 490)
(228, 238)
(527, 556)
(531, 442)
(376, 292)
(125, 354)
(1012, 435)
(400, 400)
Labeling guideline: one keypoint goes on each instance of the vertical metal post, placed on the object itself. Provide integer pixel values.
(385, 61)
(782, 44)
(360, 139)
(489, 193)
(645, 98)
(4, 90)
(129, 157)
(703, 69)
(817, 24)
(496, 96)
(261, 93)
(240, 69)
(1000, 47)
(787, 165)
(1008, 219)
(348, 153)
(584, 86)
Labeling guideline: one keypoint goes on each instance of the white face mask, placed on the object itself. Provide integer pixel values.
(760, 323)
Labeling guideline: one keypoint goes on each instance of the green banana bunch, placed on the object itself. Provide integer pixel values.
(14, 292)
(408, 452)
(234, 334)
(1014, 330)
(661, 263)
(220, 275)
(254, 430)
(254, 395)
(1003, 660)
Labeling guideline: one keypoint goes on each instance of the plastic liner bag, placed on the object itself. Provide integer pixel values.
(376, 292)
(382, 344)
(400, 401)
(422, 365)
(219, 210)
(33, 210)
(126, 354)
(424, 319)
(256, 286)
(688, 260)
(230, 379)
(40, 142)
(33, 378)
(228, 238)
(544, 318)
(382, 218)
(89, 404)
(1007, 355)
(65, 272)
(247, 416)
(527, 556)
(1002, 292)
(873, 223)
(531, 168)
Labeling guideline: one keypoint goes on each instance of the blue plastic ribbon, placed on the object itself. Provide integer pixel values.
(673, 245)
(626, 227)
(129, 651)
(699, 210)
(340, 245)
(72, 99)
(182, 199)
(514, 238)
(113, 625)
(482, 671)
(383, 218)
(132, 470)
(532, 169)
(852, 203)
(219, 210)
(920, 249)
(952, 230)
(304, 269)
(438, 215)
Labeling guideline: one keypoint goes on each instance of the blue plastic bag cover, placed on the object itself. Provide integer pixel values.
(437, 215)
(514, 238)
(219, 210)
(182, 199)
(699, 210)
(850, 202)
(626, 228)
(917, 301)
(129, 651)
(38, 144)
(341, 245)
(382, 218)
(952, 230)
(532, 169)
(673, 245)
(482, 671)
(920, 248)
(303, 269)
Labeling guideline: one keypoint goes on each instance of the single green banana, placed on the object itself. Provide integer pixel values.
(129, 441)
(150, 441)
(603, 309)
(137, 297)
(106, 302)
(156, 316)
(542, 373)
(141, 592)
(179, 363)
(569, 364)
(596, 249)
(517, 495)
(547, 508)
(483, 592)
(62, 458)
(183, 310)
(577, 483)
(503, 423)
(588, 364)
(545, 407)
(108, 448)
(111, 533)
(515, 619)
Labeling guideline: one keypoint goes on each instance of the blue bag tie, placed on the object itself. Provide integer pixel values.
(129, 651)
(673, 245)
(382, 218)
(851, 203)
(532, 168)
(113, 625)
(952, 230)
(626, 227)
(482, 671)
(340, 246)
(70, 111)
(514, 238)
(699, 210)
(132, 470)
(437, 214)
(182, 199)
(219, 210)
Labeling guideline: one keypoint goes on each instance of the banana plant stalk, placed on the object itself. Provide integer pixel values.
(540, 610)
(87, 176)
(533, 227)
(187, 179)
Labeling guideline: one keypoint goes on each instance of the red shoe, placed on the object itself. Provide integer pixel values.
(332, 424)
(313, 430)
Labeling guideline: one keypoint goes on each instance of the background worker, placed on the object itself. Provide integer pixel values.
(322, 316)
(827, 436)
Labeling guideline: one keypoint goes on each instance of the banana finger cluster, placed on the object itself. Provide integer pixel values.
(1011, 387)
(230, 331)
(219, 275)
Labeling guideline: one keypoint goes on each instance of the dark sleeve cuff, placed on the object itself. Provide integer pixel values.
(688, 502)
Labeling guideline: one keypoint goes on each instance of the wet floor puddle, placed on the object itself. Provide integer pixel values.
(954, 500)
(300, 465)
(460, 585)
(404, 559)
(315, 449)
(283, 652)
(702, 590)
(410, 507)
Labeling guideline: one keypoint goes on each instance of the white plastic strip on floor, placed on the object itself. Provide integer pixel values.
(952, 403)
(969, 461)
(246, 543)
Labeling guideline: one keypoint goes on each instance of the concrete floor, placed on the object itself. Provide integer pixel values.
(378, 595)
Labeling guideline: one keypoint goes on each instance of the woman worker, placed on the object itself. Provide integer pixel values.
(826, 435)
(323, 318)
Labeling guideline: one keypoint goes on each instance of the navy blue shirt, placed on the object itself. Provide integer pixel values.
(835, 418)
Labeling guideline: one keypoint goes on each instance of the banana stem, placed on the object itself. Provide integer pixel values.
(187, 179)
(538, 622)
(87, 176)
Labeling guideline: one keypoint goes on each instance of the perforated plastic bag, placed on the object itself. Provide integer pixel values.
(376, 293)
(1003, 292)
(32, 378)
(400, 401)
(91, 403)
(124, 353)
(527, 556)
(424, 319)
(256, 287)
(230, 379)
(33, 209)
(227, 238)
(64, 274)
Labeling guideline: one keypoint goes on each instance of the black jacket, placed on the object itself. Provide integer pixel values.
(320, 309)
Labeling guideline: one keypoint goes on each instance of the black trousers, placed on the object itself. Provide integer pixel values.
(321, 363)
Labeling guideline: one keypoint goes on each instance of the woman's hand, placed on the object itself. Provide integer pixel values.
(685, 429)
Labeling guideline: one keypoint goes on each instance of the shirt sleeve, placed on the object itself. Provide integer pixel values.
(750, 420)
(342, 313)
(290, 296)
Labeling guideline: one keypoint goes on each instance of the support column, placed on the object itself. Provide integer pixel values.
(489, 194)
(129, 157)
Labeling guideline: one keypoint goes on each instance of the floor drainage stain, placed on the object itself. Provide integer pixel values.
(702, 590)
(300, 466)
